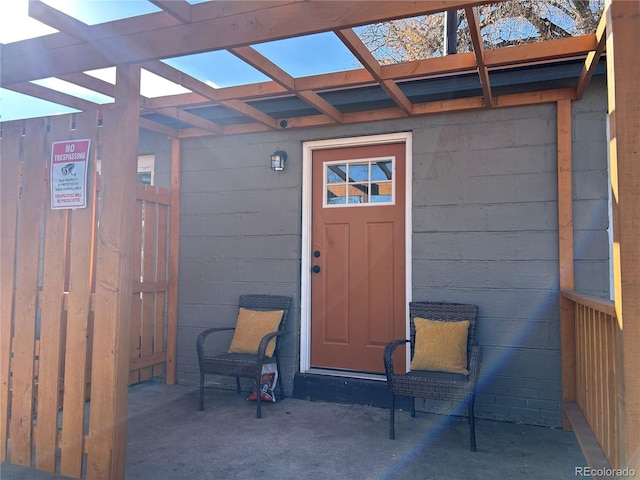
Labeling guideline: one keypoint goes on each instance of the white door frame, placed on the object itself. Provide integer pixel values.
(305, 289)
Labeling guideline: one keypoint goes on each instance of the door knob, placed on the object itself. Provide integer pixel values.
(316, 269)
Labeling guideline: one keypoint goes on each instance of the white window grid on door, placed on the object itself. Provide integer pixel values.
(351, 183)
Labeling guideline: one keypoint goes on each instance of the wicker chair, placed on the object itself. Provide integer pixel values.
(241, 364)
(436, 385)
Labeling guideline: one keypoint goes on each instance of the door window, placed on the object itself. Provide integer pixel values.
(361, 182)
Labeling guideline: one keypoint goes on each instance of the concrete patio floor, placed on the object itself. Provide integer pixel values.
(169, 439)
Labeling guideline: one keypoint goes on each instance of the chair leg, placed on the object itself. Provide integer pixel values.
(472, 427)
(413, 406)
(392, 416)
(258, 403)
(280, 386)
(201, 406)
(238, 385)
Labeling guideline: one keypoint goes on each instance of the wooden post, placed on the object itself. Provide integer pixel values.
(174, 253)
(623, 71)
(110, 372)
(565, 255)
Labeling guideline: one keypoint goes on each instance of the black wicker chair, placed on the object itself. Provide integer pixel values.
(241, 364)
(436, 385)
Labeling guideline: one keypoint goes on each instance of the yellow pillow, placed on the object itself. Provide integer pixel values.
(440, 346)
(251, 327)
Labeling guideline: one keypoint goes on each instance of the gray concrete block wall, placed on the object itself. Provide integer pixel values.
(240, 233)
(484, 232)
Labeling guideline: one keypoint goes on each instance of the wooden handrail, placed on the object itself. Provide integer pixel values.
(599, 304)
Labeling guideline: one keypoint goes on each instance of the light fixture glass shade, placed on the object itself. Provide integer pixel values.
(277, 160)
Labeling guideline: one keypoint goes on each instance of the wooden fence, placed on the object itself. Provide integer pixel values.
(48, 279)
(597, 372)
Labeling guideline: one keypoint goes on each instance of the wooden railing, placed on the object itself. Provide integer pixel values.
(596, 370)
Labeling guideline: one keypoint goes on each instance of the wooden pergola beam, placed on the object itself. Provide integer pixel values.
(191, 119)
(54, 96)
(266, 66)
(91, 83)
(59, 20)
(187, 81)
(206, 35)
(362, 53)
(426, 108)
(321, 104)
(593, 57)
(251, 112)
(478, 50)
(176, 76)
(540, 52)
(263, 64)
(179, 9)
(159, 127)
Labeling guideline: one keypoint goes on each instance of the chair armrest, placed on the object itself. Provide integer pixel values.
(202, 337)
(389, 349)
(475, 361)
(262, 346)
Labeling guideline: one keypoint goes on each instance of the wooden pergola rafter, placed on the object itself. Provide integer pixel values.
(478, 50)
(362, 53)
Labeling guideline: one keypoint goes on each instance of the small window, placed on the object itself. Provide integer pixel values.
(146, 169)
(359, 182)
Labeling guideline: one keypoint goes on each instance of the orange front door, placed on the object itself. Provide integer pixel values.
(358, 256)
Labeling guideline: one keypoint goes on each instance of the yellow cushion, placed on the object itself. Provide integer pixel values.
(440, 346)
(251, 327)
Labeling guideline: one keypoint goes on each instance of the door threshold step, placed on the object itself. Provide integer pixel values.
(341, 389)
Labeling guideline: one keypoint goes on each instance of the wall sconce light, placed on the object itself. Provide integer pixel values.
(277, 160)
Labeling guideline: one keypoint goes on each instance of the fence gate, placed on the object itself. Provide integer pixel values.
(48, 277)
(150, 287)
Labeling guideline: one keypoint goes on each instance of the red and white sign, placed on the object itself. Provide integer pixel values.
(69, 160)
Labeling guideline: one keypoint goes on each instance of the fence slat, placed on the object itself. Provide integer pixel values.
(22, 364)
(135, 326)
(613, 394)
(161, 277)
(51, 328)
(79, 300)
(148, 272)
(578, 341)
(9, 187)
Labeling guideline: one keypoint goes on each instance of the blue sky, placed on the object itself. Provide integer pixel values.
(310, 55)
